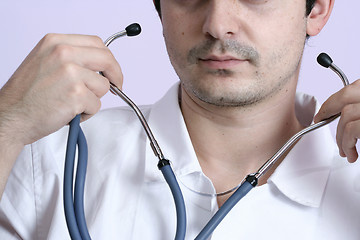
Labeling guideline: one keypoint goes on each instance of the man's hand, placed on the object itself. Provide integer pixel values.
(57, 81)
(346, 101)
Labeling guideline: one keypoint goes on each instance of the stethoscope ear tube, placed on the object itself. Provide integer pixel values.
(165, 168)
(80, 186)
(74, 208)
(249, 183)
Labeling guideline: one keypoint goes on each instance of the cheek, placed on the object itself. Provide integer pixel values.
(177, 45)
(286, 47)
(281, 53)
(180, 32)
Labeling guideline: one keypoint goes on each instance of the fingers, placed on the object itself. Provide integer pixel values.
(75, 88)
(335, 103)
(58, 80)
(348, 131)
(93, 106)
(346, 102)
(96, 83)
(78, 81)
(348, 142)
(97, 58)
(53, 39)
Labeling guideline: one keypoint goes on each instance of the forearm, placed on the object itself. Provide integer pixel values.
(8, 155)
(14, 132)
(10, 142)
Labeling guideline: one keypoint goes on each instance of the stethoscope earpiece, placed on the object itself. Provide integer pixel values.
(133, 29)
(74, 207)
(324, 60)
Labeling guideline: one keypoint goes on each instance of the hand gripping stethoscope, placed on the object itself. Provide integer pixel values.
(74, 203)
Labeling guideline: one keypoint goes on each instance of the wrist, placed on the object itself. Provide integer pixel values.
(12, 133)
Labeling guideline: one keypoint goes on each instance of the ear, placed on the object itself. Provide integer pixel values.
(319, 16)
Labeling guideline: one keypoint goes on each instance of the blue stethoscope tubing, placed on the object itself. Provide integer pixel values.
(74, 199)
(170, 178)
(74, 206)
(74, 202)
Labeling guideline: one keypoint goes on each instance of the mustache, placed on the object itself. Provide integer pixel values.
(233, 47)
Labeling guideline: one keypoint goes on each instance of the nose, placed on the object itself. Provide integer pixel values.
(221, 19)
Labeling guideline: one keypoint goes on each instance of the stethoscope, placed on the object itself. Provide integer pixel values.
(74, 198)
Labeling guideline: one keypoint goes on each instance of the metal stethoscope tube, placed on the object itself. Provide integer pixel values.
(133, 30)
(74, 204)
(252, 179)
(74, 209)
(323, 59)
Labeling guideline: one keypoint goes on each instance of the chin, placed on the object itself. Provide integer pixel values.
(227, 97)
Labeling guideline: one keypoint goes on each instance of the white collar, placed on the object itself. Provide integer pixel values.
(302, 176)
(169, 129)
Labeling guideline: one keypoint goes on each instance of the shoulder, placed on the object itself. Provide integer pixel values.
(119, 115)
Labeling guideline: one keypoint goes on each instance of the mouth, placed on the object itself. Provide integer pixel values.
(221, 62)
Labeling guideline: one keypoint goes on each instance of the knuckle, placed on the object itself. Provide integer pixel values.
(348, 110)
(62, 52)
(109, 57)
(49, 38)
(97, 41)
(349, 128)
(350, 92)
(346, 94)
(69, 70)
(77, 91)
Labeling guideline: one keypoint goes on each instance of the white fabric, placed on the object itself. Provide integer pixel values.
(313, 194)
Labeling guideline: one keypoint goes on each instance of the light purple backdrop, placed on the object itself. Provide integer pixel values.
(148, 73)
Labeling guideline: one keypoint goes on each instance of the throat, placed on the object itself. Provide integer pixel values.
(232, 143)
(227, 159)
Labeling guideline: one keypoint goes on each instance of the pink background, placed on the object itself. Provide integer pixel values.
(148, 73)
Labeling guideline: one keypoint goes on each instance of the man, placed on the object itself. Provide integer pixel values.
(238, 64)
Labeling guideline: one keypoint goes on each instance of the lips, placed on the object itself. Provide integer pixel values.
(220, 62)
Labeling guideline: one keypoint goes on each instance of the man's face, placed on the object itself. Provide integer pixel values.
(234, 53)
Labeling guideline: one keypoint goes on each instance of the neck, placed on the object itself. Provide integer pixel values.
(231, 142)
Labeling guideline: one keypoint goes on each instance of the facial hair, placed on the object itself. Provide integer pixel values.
(240, 95)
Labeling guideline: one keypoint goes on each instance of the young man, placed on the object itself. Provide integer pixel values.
(238, 64)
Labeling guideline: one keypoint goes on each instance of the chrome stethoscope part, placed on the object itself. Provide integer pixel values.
(340, 73)
(74, 197)
(133, 30)
(251, 180)
(325, 61)
(154, 145)
(164, 165)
